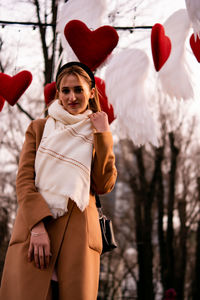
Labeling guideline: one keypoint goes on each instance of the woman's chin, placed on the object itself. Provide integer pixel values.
(74, 110)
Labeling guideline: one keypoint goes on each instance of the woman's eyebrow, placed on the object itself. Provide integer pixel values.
(76, 86)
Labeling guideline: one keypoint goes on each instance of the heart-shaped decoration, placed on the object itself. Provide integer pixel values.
(2, 100)
(195, 46)
(12, 88)
(91, 47)
(160, 46)
(105, 105)
(49, 92)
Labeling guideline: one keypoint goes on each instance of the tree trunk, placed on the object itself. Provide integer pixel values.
(143, 206)
(182, 252)
(196, 281)
(170, 278)
(48, 58)
(196, 284)
(160, 203)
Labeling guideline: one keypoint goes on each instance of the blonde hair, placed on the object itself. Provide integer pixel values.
(77, 71)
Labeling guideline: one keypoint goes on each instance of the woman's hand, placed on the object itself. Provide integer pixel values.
(39, 249)
(100, 121)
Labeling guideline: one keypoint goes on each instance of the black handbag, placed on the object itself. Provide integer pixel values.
(107, 233)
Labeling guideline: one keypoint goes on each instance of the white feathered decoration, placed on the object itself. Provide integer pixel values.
(175, 75)
(87, 11)
(193, 8)
(125, 78)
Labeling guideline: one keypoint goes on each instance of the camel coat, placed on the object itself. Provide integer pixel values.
(75, 237)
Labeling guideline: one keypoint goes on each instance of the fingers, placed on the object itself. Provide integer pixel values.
(98, 114)
(30, 253)
(41, 258)
(47, 256)
(99, 121)
(39, 250)
(36, 256)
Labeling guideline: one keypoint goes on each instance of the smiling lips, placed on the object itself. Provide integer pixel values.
(73, 104)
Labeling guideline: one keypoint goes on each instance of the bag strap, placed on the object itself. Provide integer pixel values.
(98, 202)
(98, 205)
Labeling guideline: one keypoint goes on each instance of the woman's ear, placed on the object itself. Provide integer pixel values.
(92, 93)
(57, 94)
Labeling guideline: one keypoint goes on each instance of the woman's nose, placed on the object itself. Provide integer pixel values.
(72, 96)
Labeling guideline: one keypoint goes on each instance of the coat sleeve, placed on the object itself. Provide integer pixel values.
(104, 172)
(33, 206)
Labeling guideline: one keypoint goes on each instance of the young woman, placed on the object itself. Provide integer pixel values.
(66, 159)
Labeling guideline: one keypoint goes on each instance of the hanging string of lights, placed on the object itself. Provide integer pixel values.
(34, 24)
(37, 24)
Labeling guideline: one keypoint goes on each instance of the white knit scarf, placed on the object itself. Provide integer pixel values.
(63, 159)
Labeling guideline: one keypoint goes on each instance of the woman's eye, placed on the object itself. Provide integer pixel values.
(78, 90)
(65, 91)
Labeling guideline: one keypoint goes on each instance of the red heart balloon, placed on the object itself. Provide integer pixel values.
(195, 46)
(91, 47)
(49, 92)
(2, 100)
(105, 105)
(160, 46)
(12, 88)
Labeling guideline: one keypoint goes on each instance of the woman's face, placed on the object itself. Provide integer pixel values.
(74, 94)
